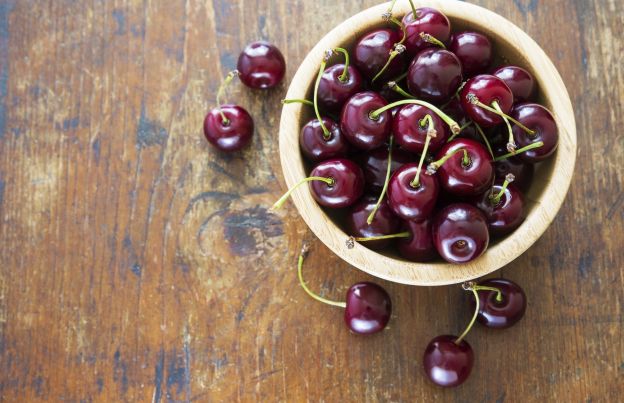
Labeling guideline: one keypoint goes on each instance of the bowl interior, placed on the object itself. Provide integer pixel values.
(511, 46)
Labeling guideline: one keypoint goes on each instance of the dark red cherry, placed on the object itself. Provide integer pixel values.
(465, 178)
(384, 222)
(504, 216)
(410, 129)
(231, 135)
(460, 233)
(316, 147)
(368, 308)
(347, 187)
(454, 109)
(542, 122)
(427, 21)
(375, 164)
(500, 314)
(357, 125)
(448, 364)
(372, 52)
(261, 65)
(434, 75)
(412, 202)
(522, 171)
(519, 81)
(419, 246)
(474, 50)
(486, 88)
(334, 92)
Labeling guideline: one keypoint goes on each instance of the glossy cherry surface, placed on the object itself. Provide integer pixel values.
(368, 308)
(375, 164)
(334, 92)
(486, 88)
(500, 314)
(474, 50)
(462, 179)
(407, 201)
(356, 123)
(506, 215)
(372, 52)
(519, 81)
(428, 21)
(419, 246)
(410, 129)
(460, 233)
(434, 75)
(261, 65)
(448, 364)
(316, 147)
(231, 135)
(540, 120)
(348, 183)
(384, 222)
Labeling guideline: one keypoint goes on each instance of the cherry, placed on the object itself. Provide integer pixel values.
(519, 81)
(339, 83)
(410, 127)
(502, 303)
(464, 167)
(367, 308)
(486, 90)
(424, 23)
(523, 172)
(372, 52)
(383, 223)
(474, 50)
(411, 199)
(361, 128)
(541, 127)
(334, 183)
(434, 75)
(228, 127)
(460, 233)
(316, 146)
(448, 363)
(419, 245)
(374, 165)
(503, 206)
(261, 65)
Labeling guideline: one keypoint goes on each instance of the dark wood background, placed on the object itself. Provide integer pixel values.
(137, 264)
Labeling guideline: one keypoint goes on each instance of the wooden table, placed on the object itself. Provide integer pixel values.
(137, 264)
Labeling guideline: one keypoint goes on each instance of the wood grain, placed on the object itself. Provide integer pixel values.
(137, 264)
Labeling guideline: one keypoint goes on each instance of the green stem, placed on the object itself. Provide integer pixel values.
(388, 13)
(282, 200)
(297, 101)
(405, 234)
(475, 101)
(447, 119)
(228, 79)
(531, 146)
(304, 251)
(432, 39)
(459, 132)
(484, 137)
(414, 13)
(499, 295)
(396, 88)
(345, 72)
(496, 199)
(326, 133)
(371, 216)
(434, 166)
(474, 317)
(431, 132)
(511, 143)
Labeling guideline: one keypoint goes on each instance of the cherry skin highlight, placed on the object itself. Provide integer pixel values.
(542, 122)
(460, 233)
(333, 92)
(357, 125)
(348, 183)
(427, 21)
(434, 75)
(462, 179)
(412, 202)
(474, 50)
(368, 308)
(231, 135)
(519, 81)
(500, 314)
(506, 215)
(316, 147)
(384, 222)
(486, 88)
(261, 65)
(448, 364)
(372, 52)
(410, 133)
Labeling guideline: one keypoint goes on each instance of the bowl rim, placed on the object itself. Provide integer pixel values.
(436, 273)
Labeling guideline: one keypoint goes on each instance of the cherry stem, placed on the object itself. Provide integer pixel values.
(499, 295)
(345, 72)
(326, 133)
(470, 287)
(484, 137)
(446, 118)
(495, 199)
(398, 47)
(472, 98)
(371, 216)
(388, 13)
(405, 234)
(511, 143)
(228, 79)
(282, 200)
(531, 146)
(400, 77)
(431, 132)
(414, 13)
(434, 166)
(459, 132)
(297, 101)
(304, 252)
(431, 39)
(396, 88)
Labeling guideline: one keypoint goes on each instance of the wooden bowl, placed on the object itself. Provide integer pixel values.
(552, 177)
